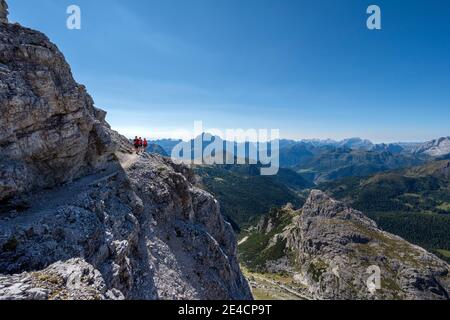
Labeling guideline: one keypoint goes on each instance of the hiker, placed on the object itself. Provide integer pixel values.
(145, 144)
(140, 143)
(136, 144)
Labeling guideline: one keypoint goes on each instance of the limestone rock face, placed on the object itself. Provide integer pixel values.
(339, 245)
(71, 280)
(143, 232)
(184, 241)
(331, 251)
(3, 11)
(50, 131)
(81, 216)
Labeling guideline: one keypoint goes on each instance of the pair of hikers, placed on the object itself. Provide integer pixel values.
(140, 145)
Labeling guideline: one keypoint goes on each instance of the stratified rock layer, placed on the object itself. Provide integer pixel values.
(50, 131)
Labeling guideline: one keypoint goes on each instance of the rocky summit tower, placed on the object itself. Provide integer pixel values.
(3, 11)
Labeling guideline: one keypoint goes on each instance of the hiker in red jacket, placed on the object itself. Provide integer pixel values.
(136, 144)
(145, 144)
(140, 143)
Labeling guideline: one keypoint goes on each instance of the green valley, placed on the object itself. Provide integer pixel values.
(412, 203)
(245, 195)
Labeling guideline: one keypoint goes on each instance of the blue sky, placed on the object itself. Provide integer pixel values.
(309, 68)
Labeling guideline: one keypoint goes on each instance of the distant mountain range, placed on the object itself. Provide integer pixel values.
(401, 187)
(156, 148)
(167, 144)
(327, 160)
(437, 147)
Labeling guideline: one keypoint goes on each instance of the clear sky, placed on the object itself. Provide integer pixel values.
(310, 68)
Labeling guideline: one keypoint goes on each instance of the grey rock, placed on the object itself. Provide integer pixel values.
(74, 279)
(435, 148)
(81, 216)
(331, 248)
(3, 11)
(330, 235)
(147, 230)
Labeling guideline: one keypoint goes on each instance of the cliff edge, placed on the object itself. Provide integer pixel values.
(81, 217)
(327, 250)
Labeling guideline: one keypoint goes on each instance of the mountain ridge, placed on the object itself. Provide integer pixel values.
(326, 160)
(355, 143)
(324, 250)
(81, 216)
(413, 203)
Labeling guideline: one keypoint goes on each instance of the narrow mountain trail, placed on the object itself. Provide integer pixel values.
(127, 160)
(265, 287)
(282, 287)
(46, 201)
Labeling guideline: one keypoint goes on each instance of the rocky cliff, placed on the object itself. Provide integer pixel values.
(50, 131)
(435, 148)
(3, 11)
(81, 217)
(327, 250)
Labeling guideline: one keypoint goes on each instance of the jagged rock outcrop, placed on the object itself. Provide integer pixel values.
(3, 11)
(50, 131)
(330, 250)
(155, 148)
(71, 280)
(147, 230)
(435, 148)
(81, 216)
